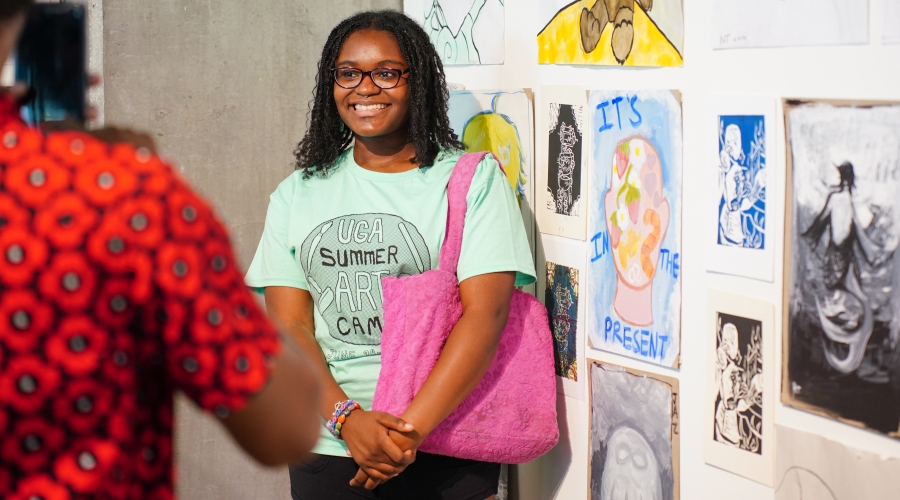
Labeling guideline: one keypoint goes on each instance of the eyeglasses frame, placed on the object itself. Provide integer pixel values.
(369, 74)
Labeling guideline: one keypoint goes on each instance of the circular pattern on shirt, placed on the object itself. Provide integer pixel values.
(27, 382)
(186, 220)
(77, 345)
(104, 183)
(112, 305)
(35, 179)
(10, 140)
(21, 254)
(18, 142)
(30, 444)
(66, 220)
(164, 242)
(178, 269)
(69, 281)
(245, 366)
(23, 320)
(83, 405)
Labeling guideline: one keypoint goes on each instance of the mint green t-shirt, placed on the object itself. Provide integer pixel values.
(337, 236)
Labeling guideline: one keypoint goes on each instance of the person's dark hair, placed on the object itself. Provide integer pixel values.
(848, 178)
(429, 127)
(9, 8)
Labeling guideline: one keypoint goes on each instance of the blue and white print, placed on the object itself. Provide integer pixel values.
(742, 182)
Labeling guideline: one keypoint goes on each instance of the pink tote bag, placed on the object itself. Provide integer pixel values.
(510, 417)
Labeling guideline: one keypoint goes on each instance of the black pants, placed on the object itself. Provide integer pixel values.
(430, 477)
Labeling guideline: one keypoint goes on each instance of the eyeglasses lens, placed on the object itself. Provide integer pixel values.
(351, 77)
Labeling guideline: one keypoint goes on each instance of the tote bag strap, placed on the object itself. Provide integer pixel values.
(457, 189)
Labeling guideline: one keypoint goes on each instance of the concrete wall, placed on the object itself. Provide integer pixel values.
(223, 87)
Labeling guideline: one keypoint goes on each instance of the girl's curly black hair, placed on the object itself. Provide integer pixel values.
(429, 127)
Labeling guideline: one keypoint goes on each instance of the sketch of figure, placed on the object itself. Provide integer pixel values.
(739, 380)
(742, 204)
(497, 133)
(564, 159)
(467, 44)
(561, 299)
(639, 216)
(633, 435)
(848, 328)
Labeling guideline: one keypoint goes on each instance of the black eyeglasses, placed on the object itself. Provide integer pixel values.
(350, 78)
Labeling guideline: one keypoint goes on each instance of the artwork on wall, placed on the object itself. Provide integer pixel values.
(464, 31)
(635, 225)
(741, 222)
(811, 467)
(740, 398)
(783, 23)
(562, 188)
(842, 301)
(500, 121)
(563, 292)
(634, 434)
(561, 299)
(611, 32)
(891, 31)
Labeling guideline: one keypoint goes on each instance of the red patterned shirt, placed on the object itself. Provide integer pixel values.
(117, 287)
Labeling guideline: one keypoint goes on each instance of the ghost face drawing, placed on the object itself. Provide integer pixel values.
(637, 222)
(631, 471)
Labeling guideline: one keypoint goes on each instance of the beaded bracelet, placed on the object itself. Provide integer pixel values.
(341, 410)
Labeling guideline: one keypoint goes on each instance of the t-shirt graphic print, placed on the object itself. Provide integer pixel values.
(344, 260)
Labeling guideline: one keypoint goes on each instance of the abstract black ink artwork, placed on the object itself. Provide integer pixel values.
(561, 299)
(739, 381)
(564, 158)
(843, 356)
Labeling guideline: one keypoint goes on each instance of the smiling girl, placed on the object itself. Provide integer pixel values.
(368, 200)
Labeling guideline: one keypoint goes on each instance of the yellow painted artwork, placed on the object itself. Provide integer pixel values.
(612, 32)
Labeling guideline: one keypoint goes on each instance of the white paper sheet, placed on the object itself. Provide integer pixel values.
(740, 395)
(782, 23)
(463, 31)
(742, 225)
(891, 30)
(810, 467)
(562, 184)
(571, 254)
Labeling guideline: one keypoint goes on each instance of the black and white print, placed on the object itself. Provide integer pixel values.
(843, 356)
(739, 383)
(564, 158)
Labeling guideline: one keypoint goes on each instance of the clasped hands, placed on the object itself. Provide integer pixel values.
(381, 444)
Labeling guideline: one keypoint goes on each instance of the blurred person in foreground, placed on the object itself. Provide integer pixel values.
(118, 286)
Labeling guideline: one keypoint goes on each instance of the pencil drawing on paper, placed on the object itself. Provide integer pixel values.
(844, 304)
(739, 381)
(561, 299)
(612, 32)
(813, 467)
(633, 435)
(742, 182)
(564, 158)
(452, 28)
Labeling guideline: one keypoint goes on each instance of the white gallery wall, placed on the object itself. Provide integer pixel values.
(869, 71)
